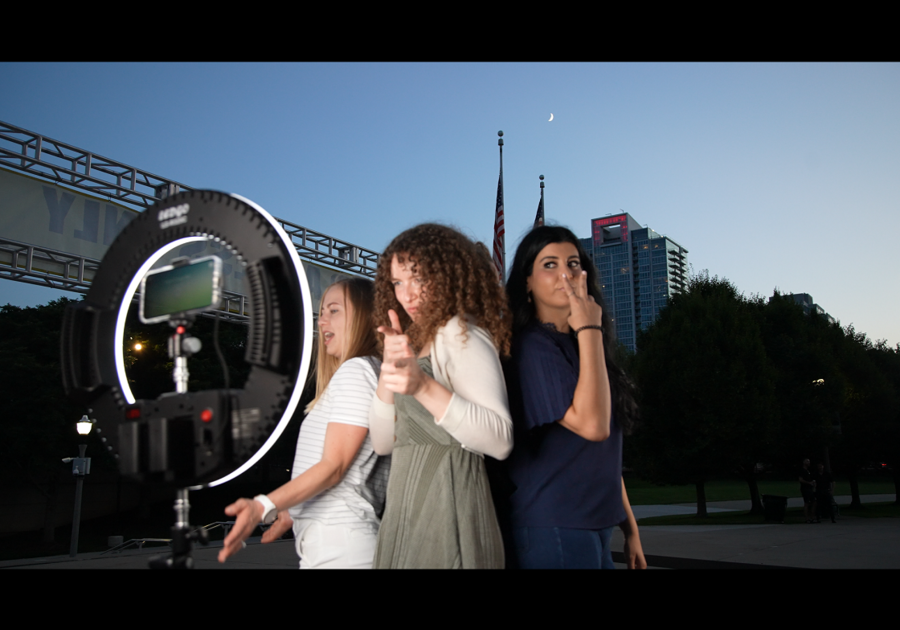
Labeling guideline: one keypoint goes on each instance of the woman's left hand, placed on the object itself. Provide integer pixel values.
(403, 376)
(584, 311)
(634, 552)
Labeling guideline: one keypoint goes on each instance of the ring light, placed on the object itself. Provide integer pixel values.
(206, 437)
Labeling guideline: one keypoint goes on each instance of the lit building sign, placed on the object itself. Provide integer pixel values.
(619, 221)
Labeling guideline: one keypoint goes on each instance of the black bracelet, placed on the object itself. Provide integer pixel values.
(600, 328)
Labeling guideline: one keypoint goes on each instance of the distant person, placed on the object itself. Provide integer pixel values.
(808, 490)
(570, 404)
(336, 496)
(441, 403)
(824, 493)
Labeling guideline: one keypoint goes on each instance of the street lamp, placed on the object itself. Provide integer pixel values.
(84, 425)
(81, 466)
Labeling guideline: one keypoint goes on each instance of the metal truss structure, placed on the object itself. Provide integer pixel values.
(59, 162)
(47, 267)
(64, 164)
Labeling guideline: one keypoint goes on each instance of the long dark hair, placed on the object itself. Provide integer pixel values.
(523, 311)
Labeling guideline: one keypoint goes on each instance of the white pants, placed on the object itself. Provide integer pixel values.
(334, 546)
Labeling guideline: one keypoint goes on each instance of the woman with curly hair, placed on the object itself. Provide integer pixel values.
(440, 404)
(571, 404)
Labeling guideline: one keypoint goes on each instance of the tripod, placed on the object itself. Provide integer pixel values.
(182, 536)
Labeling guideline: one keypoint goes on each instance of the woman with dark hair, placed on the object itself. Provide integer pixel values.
(570, 404)
(336, 495)
(441, 404)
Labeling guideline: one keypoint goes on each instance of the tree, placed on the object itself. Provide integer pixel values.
(37, 428)
(868, 427)
(805, 352)
(705, 388)
(887, 363)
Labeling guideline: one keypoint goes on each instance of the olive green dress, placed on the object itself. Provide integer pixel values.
(439, 513)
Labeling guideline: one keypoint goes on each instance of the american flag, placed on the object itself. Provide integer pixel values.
(539, 217)
(499, 229)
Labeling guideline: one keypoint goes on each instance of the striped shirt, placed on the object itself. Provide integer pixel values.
(358, 498)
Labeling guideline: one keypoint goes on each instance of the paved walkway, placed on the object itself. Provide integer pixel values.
(851, 543)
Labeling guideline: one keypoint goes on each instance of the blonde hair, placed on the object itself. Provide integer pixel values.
(359, 335)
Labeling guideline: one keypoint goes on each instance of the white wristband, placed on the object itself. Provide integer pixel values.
(270, 512)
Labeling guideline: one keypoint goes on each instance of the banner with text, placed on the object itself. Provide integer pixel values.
(41, 213)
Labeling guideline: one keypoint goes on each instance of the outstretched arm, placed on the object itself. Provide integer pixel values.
(382, 415)
(401, 374)
(342, 443)
(472, 407)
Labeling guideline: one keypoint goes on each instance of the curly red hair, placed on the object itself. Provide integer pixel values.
(459, 279)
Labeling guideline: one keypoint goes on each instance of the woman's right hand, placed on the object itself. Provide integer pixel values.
(400, 371)
(283, 523)
(247, 513)
(396, 344)
(590, 413)
(584, 311)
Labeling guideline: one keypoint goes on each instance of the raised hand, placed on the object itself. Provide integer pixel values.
(584, 311)
(400, 371)
(248, 513)
(396, 344)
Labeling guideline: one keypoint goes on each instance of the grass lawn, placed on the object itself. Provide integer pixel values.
(642, 492)
(873, 510)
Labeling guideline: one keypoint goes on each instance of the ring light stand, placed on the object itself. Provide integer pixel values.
(191, 440)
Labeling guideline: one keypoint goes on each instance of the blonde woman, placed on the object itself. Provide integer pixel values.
(336, 496)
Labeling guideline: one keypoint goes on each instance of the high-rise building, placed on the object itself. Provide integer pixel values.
(806, 302)
(639, 270)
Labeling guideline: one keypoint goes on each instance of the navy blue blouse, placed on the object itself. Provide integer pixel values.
(561, 479)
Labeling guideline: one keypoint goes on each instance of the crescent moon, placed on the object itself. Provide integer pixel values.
(551, 117)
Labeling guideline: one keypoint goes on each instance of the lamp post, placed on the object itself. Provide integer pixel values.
(81, 466)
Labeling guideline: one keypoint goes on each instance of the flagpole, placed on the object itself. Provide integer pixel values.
(543, 210)
(539, 216)
(499, 225)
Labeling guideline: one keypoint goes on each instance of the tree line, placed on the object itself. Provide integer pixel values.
(726, 383)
